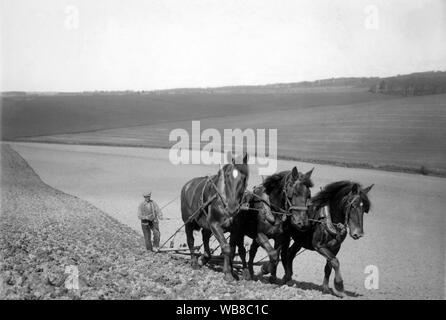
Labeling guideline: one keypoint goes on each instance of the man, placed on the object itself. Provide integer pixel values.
(149, 213)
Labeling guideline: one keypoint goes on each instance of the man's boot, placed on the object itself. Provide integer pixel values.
(147, 235)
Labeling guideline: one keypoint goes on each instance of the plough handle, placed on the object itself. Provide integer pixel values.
(190, 218)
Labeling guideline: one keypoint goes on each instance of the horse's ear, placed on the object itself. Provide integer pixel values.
(221, 181)
(245, 158)
(366, 190)
(355, 188)
(295, 173)
(308, 174)
(229, 157)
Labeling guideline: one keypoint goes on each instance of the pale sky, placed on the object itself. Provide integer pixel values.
(58, 45)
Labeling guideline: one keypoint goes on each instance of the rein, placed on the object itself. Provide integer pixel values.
(209, 180)
(349, 207)
(288, 202)
(291, 207)
(222, 199)
(270, 205)
(288, 205)
(332, 228)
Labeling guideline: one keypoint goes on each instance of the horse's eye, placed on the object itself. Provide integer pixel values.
(361, 204)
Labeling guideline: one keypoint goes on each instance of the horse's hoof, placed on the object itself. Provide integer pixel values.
(202, 260)
(338, 289)
(326, 289)
(258, 276)
(229, 277)
(340, 294)
(265, 269)
(247, 275)
(287, 280)
(195, 265)
(273, 280)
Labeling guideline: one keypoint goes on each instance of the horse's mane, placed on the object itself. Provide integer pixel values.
(276, 180)
(334, 193)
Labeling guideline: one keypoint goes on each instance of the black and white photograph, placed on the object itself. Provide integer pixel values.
(223, 154)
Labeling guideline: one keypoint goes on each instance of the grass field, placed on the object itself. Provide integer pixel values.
(355, 129)
(36, 115)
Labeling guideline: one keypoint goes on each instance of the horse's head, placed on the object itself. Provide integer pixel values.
(356, 203)
(297, 194)
(232, 182)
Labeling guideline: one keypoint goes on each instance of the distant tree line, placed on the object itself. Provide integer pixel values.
(415, 84)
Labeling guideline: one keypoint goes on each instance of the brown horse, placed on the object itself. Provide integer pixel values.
(221, 196)
(346, 202)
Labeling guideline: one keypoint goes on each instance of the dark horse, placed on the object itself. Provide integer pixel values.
(282, 196)
(289, 191)
(221, 196)
(346, 202)
(257, 222)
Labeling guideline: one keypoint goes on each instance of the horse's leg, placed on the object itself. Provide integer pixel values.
(327, 273)
(273, 253)
(242, 255)
(281, 243)
(233, 241)
(263, 240)
(334, 262)
(207, 250)
(218, 232)
(252, 255)
(288, 266)
(190, 243)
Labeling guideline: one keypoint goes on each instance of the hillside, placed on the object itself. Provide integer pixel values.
(404, 134)
(362, 122)
(36, 114)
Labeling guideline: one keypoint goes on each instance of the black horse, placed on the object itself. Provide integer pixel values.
(220, 196)
(289, 191)
(284, 194)
(346, 201)
(258, 222)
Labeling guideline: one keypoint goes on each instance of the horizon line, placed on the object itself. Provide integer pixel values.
(222, 86)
